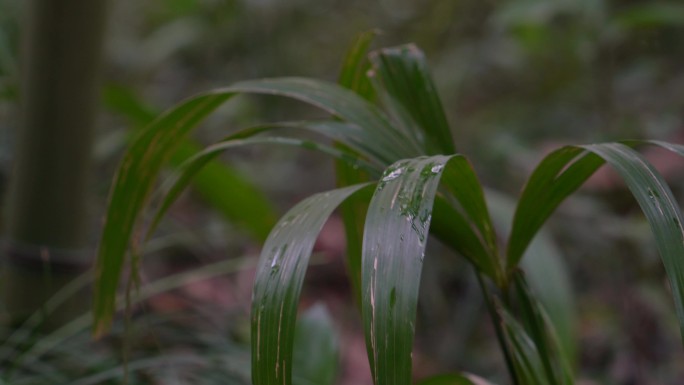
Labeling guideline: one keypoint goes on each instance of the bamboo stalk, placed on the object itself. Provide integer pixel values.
(60, 70)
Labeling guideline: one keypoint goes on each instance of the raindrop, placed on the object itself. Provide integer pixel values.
(437, 168)
(393, 175)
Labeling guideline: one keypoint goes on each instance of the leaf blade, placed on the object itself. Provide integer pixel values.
(278, 283)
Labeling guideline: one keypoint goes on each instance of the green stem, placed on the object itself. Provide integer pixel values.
(61, 62)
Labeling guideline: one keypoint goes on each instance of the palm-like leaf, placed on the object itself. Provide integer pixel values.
(368, 140)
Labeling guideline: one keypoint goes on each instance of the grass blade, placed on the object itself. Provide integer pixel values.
(558, 175)
(410, 94)
(278, 283)
(555, 367)
(462, 182)
(132, 186)
(397, 226)
(150, 150)
(220, 186)
(340, 102)
(528, 367)
(194, 165)
(564, 170)
(660, 207)
(353, 74)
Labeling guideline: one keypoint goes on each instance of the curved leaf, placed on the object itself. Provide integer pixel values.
(195, 164)
(563, 171)
(278, 283)
(409, 93)
(132, 186)
(149, 151)
(395, 235)
(341, 103)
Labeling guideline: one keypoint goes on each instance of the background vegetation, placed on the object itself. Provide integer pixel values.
(516, 78)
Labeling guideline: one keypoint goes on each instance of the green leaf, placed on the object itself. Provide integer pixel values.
(342, 104)
(409, 93)
(133, 183)
(541, 333)
(454, 379)
(150, 150)
(527, 364)
(555, 178)
(546, 273)
(316, 348)
(225, 189)
(396, 231)
(353, 74)
(660, 207)
(199, 161)
(278, 283)
(564, 170)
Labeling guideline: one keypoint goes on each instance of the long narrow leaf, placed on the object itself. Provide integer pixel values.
(194, 165)
(354, 76)
(660, 207)
(149, 151)
(402, 73)
(278, 283)
(132, 185)
(222, 187)
(395, 236)
(563, 171)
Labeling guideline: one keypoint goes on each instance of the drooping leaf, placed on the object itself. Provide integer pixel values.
(564, 170)
(397, 226)
(660, 207)
(342, 104)
(410, 95)
(155, 144)
(132, 185)
(316, 348)
(195, 165)
(278, 283)
(222, 187)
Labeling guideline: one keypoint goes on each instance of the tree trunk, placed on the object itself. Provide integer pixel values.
(60, 68)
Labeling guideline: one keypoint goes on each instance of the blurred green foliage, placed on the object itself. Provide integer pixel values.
(514, 77)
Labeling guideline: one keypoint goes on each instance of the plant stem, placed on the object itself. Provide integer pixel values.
(61, 62)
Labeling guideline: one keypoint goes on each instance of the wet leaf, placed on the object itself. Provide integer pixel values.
(278, 283)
